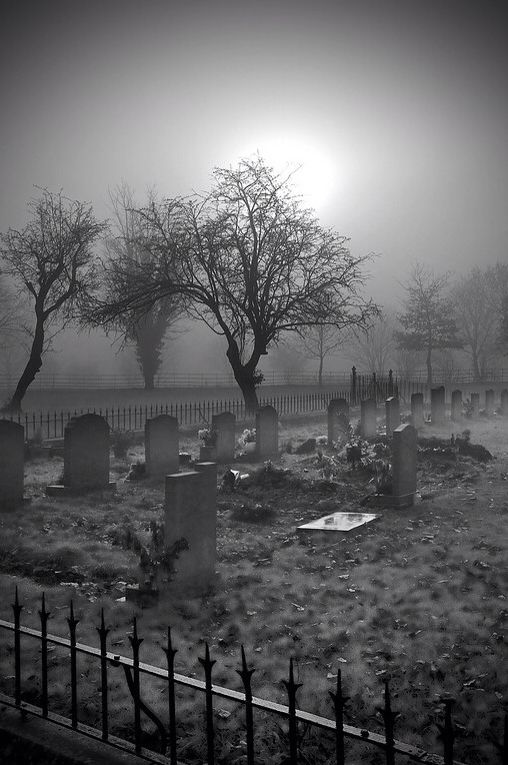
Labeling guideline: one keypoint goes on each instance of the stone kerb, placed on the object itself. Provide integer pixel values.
(191, 526)
(504, 402)
(368, 418)
(338, 410)
(392, 410)
(404, 465)
(224, 426)
(489, 401)
(12, 463)
(161, 445)
(437, 405)
(267, 432)
(86, 456)
(417, 417)
(456, 406)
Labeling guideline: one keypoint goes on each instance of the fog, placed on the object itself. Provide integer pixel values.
(397, 113)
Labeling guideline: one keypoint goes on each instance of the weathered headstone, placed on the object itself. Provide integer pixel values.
(437, 405)
(417, 410)
(338, 415)
(404, 465)
(162, 453)
(191, 526)
(368, 419)
(224, 425)
(504, 402)
(267, 432)
(456, 407)
(392, 409)
(12, 462)
(489, 401)
(86, 455)
(475, 404)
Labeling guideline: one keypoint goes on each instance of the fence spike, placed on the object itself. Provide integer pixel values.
(72, 622)
(103, 633)
(291, 688)
(170, 652)
(17, 608)
(339, 702)
(135, 642)
(447, 732)
(207, 664)
(246, 675)
(44, 616)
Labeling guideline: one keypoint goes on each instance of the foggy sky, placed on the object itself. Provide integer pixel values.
(404, 104)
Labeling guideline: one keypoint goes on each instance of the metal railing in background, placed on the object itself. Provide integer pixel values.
(166, 726)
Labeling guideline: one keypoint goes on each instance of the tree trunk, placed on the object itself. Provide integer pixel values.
(149, 380)
(320, 372)
(244, 376)
(477, 373)
(31, 369)
(429, 366)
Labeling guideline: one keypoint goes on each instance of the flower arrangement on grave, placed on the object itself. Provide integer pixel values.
(208, 436)
(248, 436)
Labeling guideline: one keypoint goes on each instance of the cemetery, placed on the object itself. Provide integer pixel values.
(367, 540)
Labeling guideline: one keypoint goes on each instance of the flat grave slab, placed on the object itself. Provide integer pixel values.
(338, 522)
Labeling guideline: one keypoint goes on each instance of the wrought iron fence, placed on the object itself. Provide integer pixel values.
(134, 669)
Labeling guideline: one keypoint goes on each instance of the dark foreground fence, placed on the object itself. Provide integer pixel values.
(340, 733)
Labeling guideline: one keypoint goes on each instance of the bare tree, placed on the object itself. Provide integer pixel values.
(252, 263)
(319, 342)
(372, 349)
(51, 260)
(477, 299)
(428, 322)
(128, 249)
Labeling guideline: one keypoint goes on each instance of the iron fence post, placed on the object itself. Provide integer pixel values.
(448, 733)
(103, 633)
(44, 616)
(246, 674)
(339, 702)
(291, 688)
(72, 622)
(207, 665)
(389, 718)
(135, 642)
(170, 655)
(17, 608)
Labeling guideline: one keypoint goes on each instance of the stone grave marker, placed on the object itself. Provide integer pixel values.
(224, 425)
(504, 402)
(475, 404)
(456, 410)
(404, 465)
(437, 405)
(368, 418)
(489, 401)
(191, 526)
(267, 432)
(86, 456)
(162, 452)
(338, 416)
(392, 409)
(417, 417)
(12, 463)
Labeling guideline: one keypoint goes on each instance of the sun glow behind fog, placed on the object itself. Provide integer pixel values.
(314, 173)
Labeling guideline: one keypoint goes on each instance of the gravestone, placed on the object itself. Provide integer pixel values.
(338, 416)
(267, 432)
(224, 425)
(437, 405)
(417, 410)
(86, 456)
(191, 526)
(392, 410)
(404, 465)
(504, 402)
(475, 404)
(12, 463)
(162, 452)
(489, 401)
(456, 409)
(368, 419)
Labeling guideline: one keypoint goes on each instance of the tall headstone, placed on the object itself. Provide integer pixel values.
(86, 453)
(267, 432)
(489, 401)
(404, 465)
(456, 409)
(392, 409)
(417, 410)
(437, 405)
(368, 419)
(338, 416)
(12, 462)
(224, 425)
(475, 404)
(161, 445)
(191, 526)
(504, 402)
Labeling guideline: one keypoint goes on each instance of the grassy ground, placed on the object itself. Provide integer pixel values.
(417, 596)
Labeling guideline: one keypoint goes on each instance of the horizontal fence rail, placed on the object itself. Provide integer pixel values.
(134, 669)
